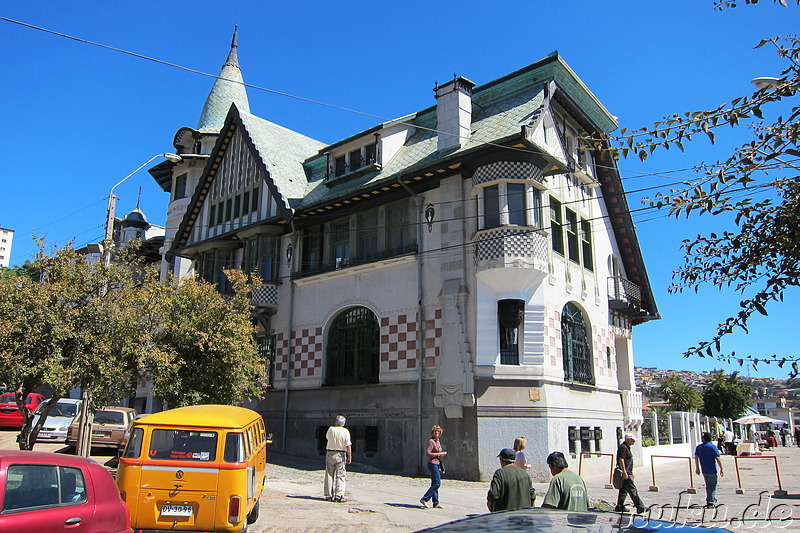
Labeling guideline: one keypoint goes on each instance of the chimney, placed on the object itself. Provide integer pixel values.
(453, 112)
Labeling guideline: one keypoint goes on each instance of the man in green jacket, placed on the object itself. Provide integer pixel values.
(511, 486)
(567, 489)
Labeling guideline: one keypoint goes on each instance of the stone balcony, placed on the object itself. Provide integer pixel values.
(511, 258)
(265, 296)
(632, 408)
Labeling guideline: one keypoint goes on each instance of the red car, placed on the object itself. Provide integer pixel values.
(41, 491)
(10, 415)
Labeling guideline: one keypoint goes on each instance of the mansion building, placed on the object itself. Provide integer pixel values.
(473, 264)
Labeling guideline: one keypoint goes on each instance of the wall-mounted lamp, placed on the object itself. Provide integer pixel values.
(430, 213)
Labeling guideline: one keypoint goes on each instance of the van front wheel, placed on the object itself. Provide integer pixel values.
(252, 516)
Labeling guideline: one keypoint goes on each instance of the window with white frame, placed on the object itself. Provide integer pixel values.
(509, 204)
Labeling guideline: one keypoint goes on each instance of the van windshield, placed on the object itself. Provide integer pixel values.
(183, 445)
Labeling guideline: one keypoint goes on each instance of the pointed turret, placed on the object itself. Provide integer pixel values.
(227, 90)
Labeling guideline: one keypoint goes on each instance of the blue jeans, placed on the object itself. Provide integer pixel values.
(436, 482)
(711, 488)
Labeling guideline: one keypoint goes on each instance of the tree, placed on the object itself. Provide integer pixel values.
(65, 322)
(204, 349)
(762, 256)
(726, 396)
(681, 397)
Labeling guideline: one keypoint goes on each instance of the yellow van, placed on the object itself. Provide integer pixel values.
(198, 468)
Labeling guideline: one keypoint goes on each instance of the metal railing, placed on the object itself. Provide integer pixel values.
(624, 294)
(343, 263)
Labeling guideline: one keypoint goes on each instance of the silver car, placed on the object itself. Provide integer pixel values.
(58, 419)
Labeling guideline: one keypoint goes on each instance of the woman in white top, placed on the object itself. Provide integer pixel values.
(519, 445)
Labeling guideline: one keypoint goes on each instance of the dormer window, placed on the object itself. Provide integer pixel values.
(356, 161)
(340, 165)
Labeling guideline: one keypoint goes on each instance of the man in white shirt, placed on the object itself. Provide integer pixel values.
(339, 453)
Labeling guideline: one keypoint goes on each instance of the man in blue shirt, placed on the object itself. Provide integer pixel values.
(706, 459)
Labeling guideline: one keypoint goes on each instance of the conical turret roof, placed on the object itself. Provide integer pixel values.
(227, 90)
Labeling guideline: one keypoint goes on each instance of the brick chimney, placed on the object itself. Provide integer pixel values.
(453, 112)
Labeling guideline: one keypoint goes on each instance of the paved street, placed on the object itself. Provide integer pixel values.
(378, 502)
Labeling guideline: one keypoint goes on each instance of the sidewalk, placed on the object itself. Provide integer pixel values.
(293, 500)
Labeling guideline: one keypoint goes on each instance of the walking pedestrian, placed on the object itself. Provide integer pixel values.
(520, 443)
(628, 487)
(511, 487)
(706, 460)
(338, 454)
(434, 453)
(730, 447)
(784, 433)
(797, 435)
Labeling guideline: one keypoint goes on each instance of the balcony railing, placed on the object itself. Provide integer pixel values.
(632, 407)
(342, 263)
(624, 296)
(505, 245)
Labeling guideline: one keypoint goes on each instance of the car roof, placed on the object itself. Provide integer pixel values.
(117, 408)
(49, 458)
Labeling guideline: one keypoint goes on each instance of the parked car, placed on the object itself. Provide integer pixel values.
(10, 415)
(108, 428)
(41, 491)
(127, 434)
(58, 419)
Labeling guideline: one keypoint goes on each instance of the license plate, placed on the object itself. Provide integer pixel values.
(176, 510)
(99, 434)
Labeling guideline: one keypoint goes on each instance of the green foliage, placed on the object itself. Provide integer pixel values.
(66, 322)
(648, 441)
(726, 396)
(762, 256)
(682, 397)
(204, 351)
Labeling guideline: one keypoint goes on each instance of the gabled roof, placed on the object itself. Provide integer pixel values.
(504, 112)
(278, 151)
(282, 151)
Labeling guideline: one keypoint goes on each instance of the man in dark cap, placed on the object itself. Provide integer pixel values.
(511, 486)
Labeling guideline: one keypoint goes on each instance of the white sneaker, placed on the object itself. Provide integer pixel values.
(424, 503)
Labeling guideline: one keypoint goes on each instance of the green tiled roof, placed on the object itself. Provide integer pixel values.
(494, 122)
(228, 89)
(283, 152)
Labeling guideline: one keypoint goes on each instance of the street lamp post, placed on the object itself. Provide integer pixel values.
(112, 205)
(83, 446)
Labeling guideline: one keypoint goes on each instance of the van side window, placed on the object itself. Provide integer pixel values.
(234, 452)
(134, 447)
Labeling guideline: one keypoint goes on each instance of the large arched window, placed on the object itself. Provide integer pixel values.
(576, 346)
(353, 348)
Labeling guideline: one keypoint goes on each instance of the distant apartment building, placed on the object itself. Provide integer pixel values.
(6, 238)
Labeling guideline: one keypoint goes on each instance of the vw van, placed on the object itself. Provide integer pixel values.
(197, 468)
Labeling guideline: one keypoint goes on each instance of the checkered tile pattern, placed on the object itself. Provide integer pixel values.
(398, 346)
(552, 335)
(505, 242)
(601, 339)
(507, 170)
(265, 295)
(307, 353)
(604, 339)
(399, 341)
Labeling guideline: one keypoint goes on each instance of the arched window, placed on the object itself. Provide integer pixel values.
(576, 346)
(353, 348)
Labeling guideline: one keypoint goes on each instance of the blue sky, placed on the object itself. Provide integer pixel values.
(79, 118)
